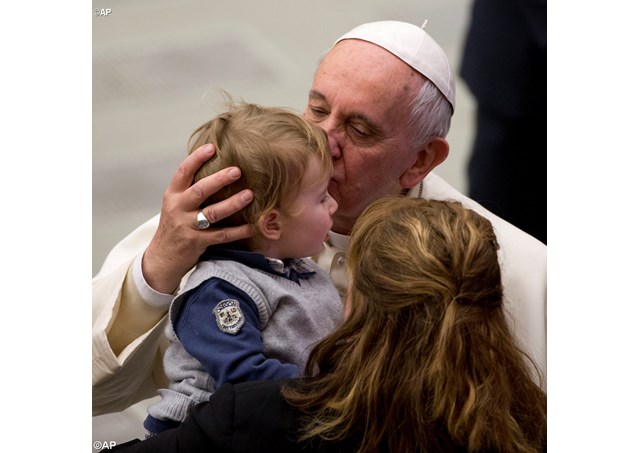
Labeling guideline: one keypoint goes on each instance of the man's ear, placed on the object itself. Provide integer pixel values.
(433, 154)
(270, 224)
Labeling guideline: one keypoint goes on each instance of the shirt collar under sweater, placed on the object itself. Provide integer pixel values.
(290, 268)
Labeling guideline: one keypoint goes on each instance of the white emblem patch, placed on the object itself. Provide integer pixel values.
(229, 317)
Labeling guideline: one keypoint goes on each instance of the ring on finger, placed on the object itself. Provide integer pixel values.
(201, 221)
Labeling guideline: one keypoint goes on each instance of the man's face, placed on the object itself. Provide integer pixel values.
(361, 97)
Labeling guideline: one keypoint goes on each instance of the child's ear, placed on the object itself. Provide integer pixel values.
(270, 224)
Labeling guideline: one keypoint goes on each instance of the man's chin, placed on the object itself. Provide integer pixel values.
(342, 227)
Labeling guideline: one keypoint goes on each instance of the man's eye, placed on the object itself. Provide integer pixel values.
(359, 131)
(317, 112)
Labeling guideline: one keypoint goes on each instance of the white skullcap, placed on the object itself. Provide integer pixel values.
(415, 47)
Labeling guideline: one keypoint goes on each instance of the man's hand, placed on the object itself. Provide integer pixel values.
(178, 243)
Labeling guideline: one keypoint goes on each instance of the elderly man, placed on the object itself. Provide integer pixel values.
(384, 94)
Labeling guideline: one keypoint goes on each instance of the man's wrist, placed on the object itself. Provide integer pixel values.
(150, 296)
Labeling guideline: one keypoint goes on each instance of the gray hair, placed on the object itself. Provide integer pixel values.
(430, 114)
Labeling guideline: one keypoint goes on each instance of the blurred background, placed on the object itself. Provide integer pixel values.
(157, 69)
(158, 66)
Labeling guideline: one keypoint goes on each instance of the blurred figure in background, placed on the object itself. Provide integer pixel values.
(505, 66)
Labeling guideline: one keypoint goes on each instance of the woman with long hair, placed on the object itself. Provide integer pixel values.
(425, 360)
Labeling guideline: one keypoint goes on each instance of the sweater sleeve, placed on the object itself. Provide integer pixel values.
(228, 353)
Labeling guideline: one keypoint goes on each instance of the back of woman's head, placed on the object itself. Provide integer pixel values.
(426, 347)
(272, 147)
(407, 251)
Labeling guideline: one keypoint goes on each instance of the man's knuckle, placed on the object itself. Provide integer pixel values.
(223, 235)
(212, 215)
(196, 189)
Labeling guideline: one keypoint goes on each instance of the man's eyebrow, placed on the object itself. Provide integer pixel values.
(313, 94)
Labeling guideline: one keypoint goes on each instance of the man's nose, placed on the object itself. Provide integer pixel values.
(335, 140)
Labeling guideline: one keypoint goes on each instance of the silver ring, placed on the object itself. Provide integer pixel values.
(201, 221)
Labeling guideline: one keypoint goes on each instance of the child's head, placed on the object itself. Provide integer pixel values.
(283, 158)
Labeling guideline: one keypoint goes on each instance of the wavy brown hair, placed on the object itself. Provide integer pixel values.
(425, 360)
(271, 145)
